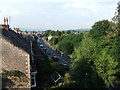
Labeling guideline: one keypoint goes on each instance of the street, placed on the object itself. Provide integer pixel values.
(62, 58)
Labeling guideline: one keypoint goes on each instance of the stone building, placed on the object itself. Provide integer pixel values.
(5, 26)
(15, 56)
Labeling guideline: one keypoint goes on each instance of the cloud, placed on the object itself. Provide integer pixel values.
(57, 1)
(77, 4)
(57, 13)
(87, 3)
(40, 1)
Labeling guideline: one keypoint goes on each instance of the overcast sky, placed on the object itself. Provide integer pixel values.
(56, 14)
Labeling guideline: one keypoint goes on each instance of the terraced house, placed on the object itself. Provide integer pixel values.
(15, 52)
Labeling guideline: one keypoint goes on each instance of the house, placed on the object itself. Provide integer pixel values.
(15, 52)
(5, 26)
(50, 37)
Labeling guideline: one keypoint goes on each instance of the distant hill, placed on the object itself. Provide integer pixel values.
(82, 30)
(77, 30)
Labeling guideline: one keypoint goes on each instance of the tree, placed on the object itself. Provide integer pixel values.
(66, 47)
(83, 64)
(67, 42)
(63, 32)
(47, 33)
(54, 40)
(91, 65)
(58, 33)
(106, 67)
(101, 28)
(68, 32)
(52, 33)
(116, 18)
(118, 14)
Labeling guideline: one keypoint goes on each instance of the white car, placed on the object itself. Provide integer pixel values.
(41, 46)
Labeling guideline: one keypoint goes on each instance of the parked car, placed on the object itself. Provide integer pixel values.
(45, 49)
(65, 66)
(55, 58)
(41, 46)
(47, 52)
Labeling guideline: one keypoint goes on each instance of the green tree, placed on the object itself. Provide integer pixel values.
(106, 67)
(47, 33)
(83, 64)
(58, 33)
(63, 32)
(52, 33)
(116, 18)
(54, 40)
(66, 47)
(101, 28)
(91, 64)
(68, 32)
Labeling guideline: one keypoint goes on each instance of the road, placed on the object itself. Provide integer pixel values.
(62, 58)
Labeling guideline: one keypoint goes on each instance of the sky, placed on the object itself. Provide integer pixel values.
(56, 14)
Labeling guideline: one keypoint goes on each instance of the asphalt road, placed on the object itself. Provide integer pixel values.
(62, 58)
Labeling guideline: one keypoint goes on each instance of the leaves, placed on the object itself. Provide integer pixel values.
(88, 61)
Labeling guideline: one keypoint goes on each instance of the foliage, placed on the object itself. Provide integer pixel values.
(67, 78)
(54, 40)
(66, 47)
(63, 32)
(56, 67)
(47, 33)
(101, 28)
(58, 33)
(83, 65)
(66, 43)
(90, 65)
(17, 73)
(106, 67)
(116, 18)
(46, 38)
(68, 32)
(53, 33)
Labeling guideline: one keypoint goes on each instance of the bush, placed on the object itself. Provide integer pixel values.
(17, 73)
(67, 78)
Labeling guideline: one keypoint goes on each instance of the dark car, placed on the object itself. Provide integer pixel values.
(47, 52)
(65, 66)
(45, 49)
(55, 58)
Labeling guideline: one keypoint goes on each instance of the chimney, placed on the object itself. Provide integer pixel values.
(5, 21)
(5, 25)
